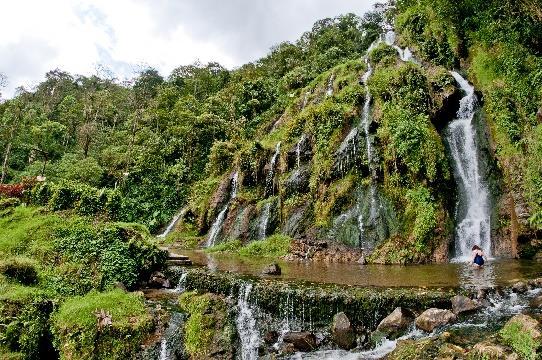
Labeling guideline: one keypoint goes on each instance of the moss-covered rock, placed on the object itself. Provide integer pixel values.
(110, 325)
(210, 330)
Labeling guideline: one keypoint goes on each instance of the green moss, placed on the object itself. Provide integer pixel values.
(21, 269)
(209, 329)
(80, 332)
(520, 340)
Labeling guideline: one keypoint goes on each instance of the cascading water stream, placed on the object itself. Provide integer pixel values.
(217, 225)
(298, 151)
(472, 215)
(329, 89)
(172, 224)
(270, 179)
(264, 220)
(246, 324)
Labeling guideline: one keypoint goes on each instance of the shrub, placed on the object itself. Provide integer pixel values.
(228, 246)
(520, 340)
(110, 325)
(20, 269)
(422, 208)
(6, 203)
(273, 247)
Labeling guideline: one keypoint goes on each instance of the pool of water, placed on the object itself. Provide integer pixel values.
(495, 273)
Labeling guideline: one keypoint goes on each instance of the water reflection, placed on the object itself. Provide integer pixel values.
(494, 273)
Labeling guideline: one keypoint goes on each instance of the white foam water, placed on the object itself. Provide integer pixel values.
(172, 224)
(264, 220)
(219, 221)
(472, 215)
(246, 324)
(270, 179)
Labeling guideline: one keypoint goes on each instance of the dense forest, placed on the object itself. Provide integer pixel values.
(102, 166)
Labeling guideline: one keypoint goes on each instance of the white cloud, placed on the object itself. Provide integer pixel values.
(76, 35)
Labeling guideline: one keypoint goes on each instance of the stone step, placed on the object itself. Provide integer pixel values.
(172, 256)
(184, 262)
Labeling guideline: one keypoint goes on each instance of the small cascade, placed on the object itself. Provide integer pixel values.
(181, 285)
(246, 324)
(305, 100)
(298, 151)
(472, 215)
(264, 221)
(404, 54)
(171, 343)
(172, 224)
(329, 89)
(219, 221)
(270, 179)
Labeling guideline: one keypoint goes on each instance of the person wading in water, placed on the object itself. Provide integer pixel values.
(477, 256)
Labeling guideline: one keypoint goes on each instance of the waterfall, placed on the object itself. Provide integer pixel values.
(172, 224)
(171, 343)
(246, 324)
(472, 215)
(264, 220)
(217, 225)
(329, 89)
(270, 179)
(298, 150)
(404, 54)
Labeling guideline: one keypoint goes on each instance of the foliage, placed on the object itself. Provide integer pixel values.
(81, 330)
(20, 269)
(272, 247)
(228, 246)
(422, 209)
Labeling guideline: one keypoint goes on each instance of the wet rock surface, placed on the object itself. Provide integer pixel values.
(462, 304)
(301, 340)
(272, 269)
(317, 250)
(396, 323)
(342, 332)
(520, 287)
(433, 318)
(159, 280)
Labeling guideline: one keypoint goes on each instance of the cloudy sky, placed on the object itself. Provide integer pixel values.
(77, 35)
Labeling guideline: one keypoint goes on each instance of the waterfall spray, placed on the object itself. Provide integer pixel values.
(246, 324)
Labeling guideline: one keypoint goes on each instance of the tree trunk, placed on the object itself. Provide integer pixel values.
(5, 163)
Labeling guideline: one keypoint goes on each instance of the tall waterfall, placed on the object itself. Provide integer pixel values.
(472, 215)
(270, 179)
(172, 224)
(246, 324)
(217, 225)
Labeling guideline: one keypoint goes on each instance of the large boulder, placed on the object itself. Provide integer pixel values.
(536, 302)
(301, 340)
(520, 287)
(462, 304)
(342, 332)
(537, 283)
(396, 323)
(433, 318)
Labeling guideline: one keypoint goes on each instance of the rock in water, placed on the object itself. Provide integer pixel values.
(271, 337)
(272, 269)
(396, 323)
(432, 318)
(159, 280)
(489, 350)
(462, 304)
(537, 302)
(342, 332)
(520, 287)
(301, 340)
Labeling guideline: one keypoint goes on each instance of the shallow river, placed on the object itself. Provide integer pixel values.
(495, 273)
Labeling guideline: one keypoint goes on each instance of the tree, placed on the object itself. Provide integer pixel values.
(47, 140)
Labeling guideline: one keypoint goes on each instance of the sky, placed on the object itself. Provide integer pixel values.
(123, 36)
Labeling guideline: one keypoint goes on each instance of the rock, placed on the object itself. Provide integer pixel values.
(301, 340)
(362, 260)
(272, 269)
(159, 280)
(287, 348)
(489, 350)
(520, 287)
(342, 332)
(536, 283)
(527, 323)
(481, 294)
(396, 323)
(120, 285)
(271, 337)
(462, 304)
(536, 302)
(432, 318)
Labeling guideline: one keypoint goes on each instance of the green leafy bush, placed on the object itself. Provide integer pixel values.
(272, 247)
(520, 340)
